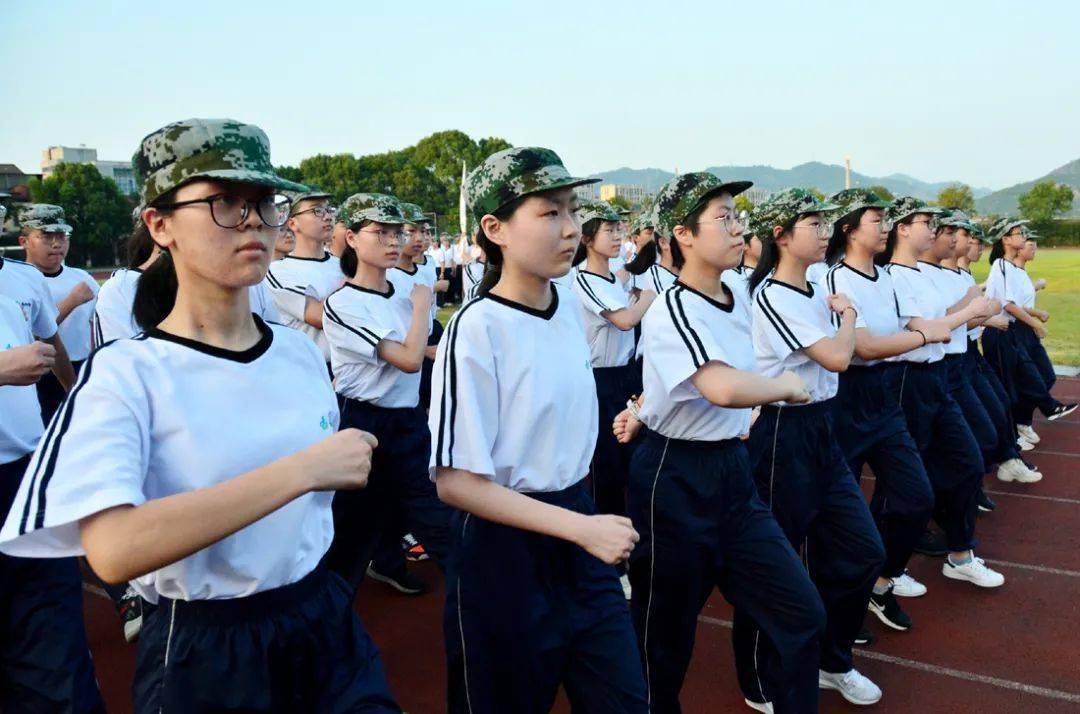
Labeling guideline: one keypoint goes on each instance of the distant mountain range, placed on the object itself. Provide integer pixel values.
(1004, 201)
(828, 178)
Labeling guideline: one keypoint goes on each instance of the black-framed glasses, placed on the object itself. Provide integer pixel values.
(319, 211)
(229, 211)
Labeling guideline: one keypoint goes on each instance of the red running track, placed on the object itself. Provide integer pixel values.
(1014, 649)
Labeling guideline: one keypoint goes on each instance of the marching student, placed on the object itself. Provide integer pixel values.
(949, 451)
(1024, 374)
(800, 470)
(533, 600)
(285, 243)
(220, 521)
(473, 273)
(870, 424)
(740, 274)
(45, 661)
(72, 290)
(377, 340)
(609, 319)
(309, 271)
(692, 494)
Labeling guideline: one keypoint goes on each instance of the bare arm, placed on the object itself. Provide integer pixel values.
(870, 347)
(62, 368)
(733, 388)
(628, 318)
(834, 353)
(408, 356)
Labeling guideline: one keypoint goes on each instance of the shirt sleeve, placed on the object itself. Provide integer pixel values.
(464, 409)
(907, 302)
(290, 300)
(262, 302)
(836, 284)
(43, 322)
(597, 295)
(94, 456)
(676, 341)
(788, 325)
(354, 330)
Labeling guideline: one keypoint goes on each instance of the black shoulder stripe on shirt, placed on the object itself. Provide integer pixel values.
(777, 322)
(655, 272)
(589, 291)
(274, 282)
(448, 399)
(830, 280)
(698, 362)
(686, 323)
(360, 331)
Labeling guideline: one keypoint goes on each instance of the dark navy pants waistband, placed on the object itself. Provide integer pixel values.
(255, 606)
(659, 440)
(565, 498)
(816, 409)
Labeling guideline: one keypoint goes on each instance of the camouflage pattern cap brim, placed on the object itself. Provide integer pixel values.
(299, 196)
(784, 209)
(851, 200)
(222, 149)
(43, 216)
(1004, 225)
(589, 210)
(907, 206)
(414, 214)
(686, 193)
(513, 173)
(375, 207)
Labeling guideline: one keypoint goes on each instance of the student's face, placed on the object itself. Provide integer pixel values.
(804, 241)
(377, 244)
(414, 241)
(643, 237)
(306, 222)
(974, 251)
(869, 234)
(286, 241)
(753, 249)
(46, 250)
(607, 240)
(944, 243)
(1028, 251)
(918, 233)
(337, 239)
(963, 242)
(203, 250)
(1014, 239)
(716, 244)
(541, 236)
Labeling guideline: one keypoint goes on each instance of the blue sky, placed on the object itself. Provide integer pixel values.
(984, 92)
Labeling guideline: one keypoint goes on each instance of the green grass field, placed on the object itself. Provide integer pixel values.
(1060, 267)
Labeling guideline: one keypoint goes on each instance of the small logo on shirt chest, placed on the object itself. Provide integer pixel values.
(324, 423)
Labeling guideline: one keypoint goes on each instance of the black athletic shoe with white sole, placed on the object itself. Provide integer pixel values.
(404, 582)
(888, 611)
(865, 637)
(986, 504)
(1061, 410)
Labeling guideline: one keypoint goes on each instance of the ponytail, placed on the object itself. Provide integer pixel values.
(155, 295)
(588, 230)
(645, 258)
(770, 257)
(997, 250)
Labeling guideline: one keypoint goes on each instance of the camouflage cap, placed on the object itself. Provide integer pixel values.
(377, 207)
(642, 221)
(851, 200)
(512, 173)
(589, 209)
(414, 214)
(3, 215)
(1003, 225)
(45, 216)
(205, 148)
(909, 206)
(956, 218)
(784, 208)
(1030, 234)
(309, 192)
(686, 193)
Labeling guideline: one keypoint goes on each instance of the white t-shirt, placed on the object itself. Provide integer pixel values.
(916, 296)
(20, 411)
(951, 288)
(513, 397)
(1009, 283)
(738, 277)
(609, 346)
(355, 320)
(472, 274)
(873, 297)
(75, 329)
(788, 320)
(25, 284)
(293, 280)
(815, 272)
(422, 273)
(683, 331)
(160, 415)
(968, 280)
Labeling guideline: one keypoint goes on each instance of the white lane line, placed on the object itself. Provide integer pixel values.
(1036, 568)
(943, 671)
(1041, 452)
(1054, 499)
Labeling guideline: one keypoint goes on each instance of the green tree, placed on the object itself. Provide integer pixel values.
(957, 195)
(1045, 201)
(621, 202)
(742, 203)
(98, 213)
(883, 192)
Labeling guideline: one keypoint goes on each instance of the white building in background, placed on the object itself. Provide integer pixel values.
(635, 194)
(119, 171)
(589, 191)
(757, 195)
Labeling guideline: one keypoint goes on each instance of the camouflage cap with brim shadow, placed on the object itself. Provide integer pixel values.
(906, 206)
(308, 194)
(589, 210)
(642, 221)
(784, 209)
(514, 173)
(686, 193)
(1003, 225)
(851, 200)
(43, 216)
(375, 207)
(222, 149)
(955, 218)
(414, 215)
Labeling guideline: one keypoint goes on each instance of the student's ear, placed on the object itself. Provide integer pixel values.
(493, 229)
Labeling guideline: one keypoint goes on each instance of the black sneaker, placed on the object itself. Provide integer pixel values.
(888, 611)
(130, 609)
(932, 544)
(865, 637)
(1061, 410)
(404, 582)
(986, 504)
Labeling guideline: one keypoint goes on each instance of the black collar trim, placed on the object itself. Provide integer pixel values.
(545, 314)
(243, 356)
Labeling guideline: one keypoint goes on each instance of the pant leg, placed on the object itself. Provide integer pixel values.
(1032, 391)
(903, 499)
(982, 427)
(610, 465)
(426, 516)
(956, 470)
(1038, 354)
(992, 396)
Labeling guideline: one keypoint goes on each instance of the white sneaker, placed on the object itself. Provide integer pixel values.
(1024, 445)
(759, 706)
(1016, 470)
(974, 571)
(907, 586)
(625, 580)
(1028, 433)
(853, 686)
